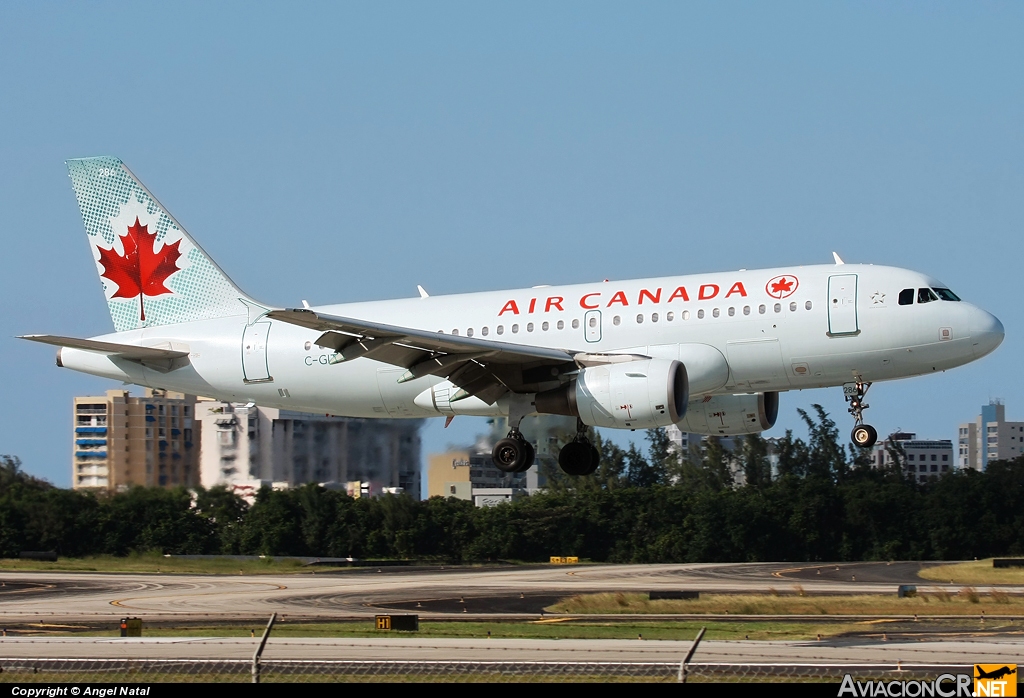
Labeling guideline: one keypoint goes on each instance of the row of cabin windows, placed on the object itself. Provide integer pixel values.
(617, 319)
(926, 295)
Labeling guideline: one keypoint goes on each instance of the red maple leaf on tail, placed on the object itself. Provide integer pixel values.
(141, 271)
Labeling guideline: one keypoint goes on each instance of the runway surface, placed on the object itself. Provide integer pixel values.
(988, 650)
(359, 593)
(491, 593)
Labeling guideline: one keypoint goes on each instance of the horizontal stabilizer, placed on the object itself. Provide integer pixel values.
(124, 351)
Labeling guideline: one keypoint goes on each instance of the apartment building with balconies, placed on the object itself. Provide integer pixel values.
(120, 440)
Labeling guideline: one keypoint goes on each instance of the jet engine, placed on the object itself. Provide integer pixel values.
(631, 395)
(731, 414)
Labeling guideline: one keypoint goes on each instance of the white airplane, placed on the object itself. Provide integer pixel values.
(709, 352)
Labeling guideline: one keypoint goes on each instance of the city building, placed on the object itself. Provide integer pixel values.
(120, 441)
(989, 437)
(923, 459)
(246, 447)
(470, 473)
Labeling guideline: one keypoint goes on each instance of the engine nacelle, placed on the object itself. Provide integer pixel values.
(732, 414)
(632, 395)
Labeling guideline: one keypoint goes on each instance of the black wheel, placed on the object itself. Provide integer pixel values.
(510, 454)
(528, 458)
(576, 458)
(595, 460)
(864, 435)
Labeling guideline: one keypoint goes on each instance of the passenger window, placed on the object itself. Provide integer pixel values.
(807, 305)
(575, 324)
(670, 316)
(715, 312)
(593, 322)
(925, 295)
(469, 332)
(778, 307)
(700, 314)
(484, 331)
(455, 332)
(746, 310)
(946, 295)
(560, 325)
(654, 317)
(760, 309)
(685, 315)
(529, 327)
(615, 320)
(544, 326)
(515, 329)
(792, 307)
(501, 329)
(907, 296)
(639, 318)
(732, 311)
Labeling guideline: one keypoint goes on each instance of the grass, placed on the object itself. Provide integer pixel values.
(975, 572)
(155, 563)
(967, 601)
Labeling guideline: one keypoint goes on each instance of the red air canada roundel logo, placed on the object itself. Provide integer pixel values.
(782, 286)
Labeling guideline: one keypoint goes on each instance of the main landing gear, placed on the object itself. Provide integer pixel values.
(513, 454)
(864, 435)
(579, 456)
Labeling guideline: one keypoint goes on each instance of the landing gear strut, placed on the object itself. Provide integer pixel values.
(864, 435)
(579, 456)
(514, 454)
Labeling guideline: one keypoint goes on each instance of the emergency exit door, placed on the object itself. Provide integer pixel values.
(842, 304)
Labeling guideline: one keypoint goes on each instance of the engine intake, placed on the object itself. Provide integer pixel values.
(634, 395)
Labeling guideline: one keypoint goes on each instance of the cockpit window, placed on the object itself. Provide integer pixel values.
(946, 295)
(907, 296)
(925, 295)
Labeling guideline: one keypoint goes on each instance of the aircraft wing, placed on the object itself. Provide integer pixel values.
(480, 367)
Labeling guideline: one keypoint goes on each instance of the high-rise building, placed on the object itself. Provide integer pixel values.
(120, 441)
(989, 437)
(924, 459)
(246, 446)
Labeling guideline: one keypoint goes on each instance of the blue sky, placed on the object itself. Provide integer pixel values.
(339, 151)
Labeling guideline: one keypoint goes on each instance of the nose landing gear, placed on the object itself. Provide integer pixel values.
(579, 456)
(864, 435)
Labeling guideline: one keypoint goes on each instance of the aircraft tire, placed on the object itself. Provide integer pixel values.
(528, 459)
(576, 458)
(510, 454)
(864, 435)
(595, 460)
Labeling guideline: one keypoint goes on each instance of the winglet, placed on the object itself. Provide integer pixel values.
(423, 293)
(838, 260)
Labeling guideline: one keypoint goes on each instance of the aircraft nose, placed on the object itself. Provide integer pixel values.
(986, 332)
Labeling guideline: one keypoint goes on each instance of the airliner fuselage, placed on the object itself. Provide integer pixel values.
(710, 352)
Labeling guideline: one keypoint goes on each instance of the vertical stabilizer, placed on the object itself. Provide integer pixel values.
(152, 272)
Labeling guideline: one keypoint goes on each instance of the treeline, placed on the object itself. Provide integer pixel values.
(823, 502)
